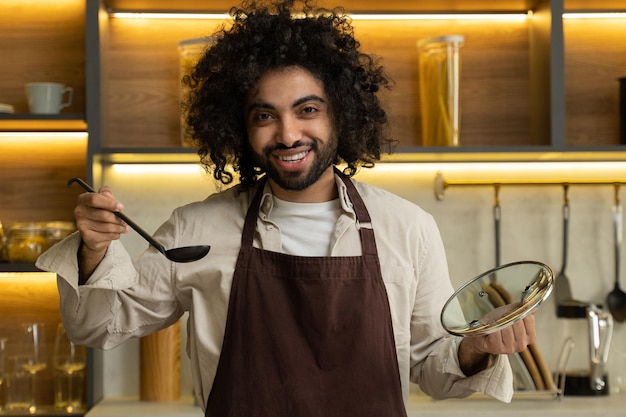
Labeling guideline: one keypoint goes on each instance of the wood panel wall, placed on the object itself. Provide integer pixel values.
(42, 41)
(34, 171)
(595, 57)
(143, 97)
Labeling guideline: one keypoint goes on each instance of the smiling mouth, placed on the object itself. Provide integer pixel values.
(293, 158)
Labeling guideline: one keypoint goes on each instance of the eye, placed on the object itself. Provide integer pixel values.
(309, 110)
(262, 117)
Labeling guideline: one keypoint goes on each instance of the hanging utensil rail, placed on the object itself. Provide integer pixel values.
(441, 184)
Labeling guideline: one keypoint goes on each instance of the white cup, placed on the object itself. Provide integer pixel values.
(48, 98)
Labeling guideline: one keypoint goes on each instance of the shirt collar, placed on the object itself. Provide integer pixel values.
(267, 201)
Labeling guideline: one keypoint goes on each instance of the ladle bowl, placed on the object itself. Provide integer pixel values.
(180, 255)
(616, 301)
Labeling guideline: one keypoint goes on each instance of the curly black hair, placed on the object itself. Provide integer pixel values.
(263, 37)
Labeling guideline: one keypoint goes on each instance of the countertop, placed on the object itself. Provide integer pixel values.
(419, 406)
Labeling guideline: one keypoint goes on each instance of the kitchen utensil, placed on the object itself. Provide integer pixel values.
(469, 310)
(616, 300)
(588, 331)
(183, 254)
(497, 214)
(562, 290)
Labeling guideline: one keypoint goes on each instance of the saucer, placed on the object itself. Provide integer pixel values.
(6, 108)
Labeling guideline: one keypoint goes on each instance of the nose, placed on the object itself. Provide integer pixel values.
(288, 132)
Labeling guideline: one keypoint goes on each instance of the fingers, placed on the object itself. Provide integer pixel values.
(514, 338)
(95, 218)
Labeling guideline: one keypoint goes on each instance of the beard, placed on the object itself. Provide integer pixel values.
(324, 157)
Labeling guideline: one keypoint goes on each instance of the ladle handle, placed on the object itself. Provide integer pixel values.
(122, 216)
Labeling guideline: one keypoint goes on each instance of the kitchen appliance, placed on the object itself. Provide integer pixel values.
(588, 330)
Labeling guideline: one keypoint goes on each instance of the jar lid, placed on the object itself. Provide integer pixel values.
(60, 225)
(27, 226)
(441, 39)
(195, 41)
(6, 108)
(59, 230)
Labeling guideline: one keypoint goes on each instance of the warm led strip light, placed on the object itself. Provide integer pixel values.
(146, 15)
(382, 16)
(191, 168)
(43, 135)
(518, 17)
(397, 16)
(598, 15)
(591, 171)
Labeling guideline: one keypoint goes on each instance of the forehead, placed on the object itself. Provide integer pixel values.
(286, 82)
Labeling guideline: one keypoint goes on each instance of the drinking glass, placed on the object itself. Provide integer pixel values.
(69, 362)
(32, 356)
(18, 386)
(3, 367)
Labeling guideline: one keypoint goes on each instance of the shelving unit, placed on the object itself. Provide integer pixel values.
(42, 123)
(524, 83)
(41, 41)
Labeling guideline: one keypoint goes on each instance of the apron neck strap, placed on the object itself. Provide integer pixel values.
(364, 222)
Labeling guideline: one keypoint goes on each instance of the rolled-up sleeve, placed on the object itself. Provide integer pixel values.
(434, 353)
(109, 308)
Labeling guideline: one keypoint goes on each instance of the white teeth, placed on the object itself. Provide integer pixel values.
(292, 158)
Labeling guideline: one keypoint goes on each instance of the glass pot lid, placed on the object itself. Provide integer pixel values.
(497, 298)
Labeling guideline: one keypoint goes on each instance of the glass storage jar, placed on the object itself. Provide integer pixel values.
(26, 241)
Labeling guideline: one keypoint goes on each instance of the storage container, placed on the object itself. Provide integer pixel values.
(439, 74)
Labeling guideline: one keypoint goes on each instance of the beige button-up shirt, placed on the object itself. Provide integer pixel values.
(125, 298)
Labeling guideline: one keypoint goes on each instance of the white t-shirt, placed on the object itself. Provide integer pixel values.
(306, 228)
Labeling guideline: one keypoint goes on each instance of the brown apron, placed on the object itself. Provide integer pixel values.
(307, 336)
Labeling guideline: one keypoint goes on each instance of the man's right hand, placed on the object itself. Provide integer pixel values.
(98, 226)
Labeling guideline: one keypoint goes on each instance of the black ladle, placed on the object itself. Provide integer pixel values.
(181, 255)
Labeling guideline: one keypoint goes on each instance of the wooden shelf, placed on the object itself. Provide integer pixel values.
(18, 267)
(42, 123)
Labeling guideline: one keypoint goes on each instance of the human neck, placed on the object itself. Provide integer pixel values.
(324, 189)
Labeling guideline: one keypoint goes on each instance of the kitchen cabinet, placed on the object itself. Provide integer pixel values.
(41, 41)
(542, 85)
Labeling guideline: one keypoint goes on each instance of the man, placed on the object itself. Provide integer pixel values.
(321, 295)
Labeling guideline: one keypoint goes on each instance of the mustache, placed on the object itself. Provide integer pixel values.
(281, 146)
